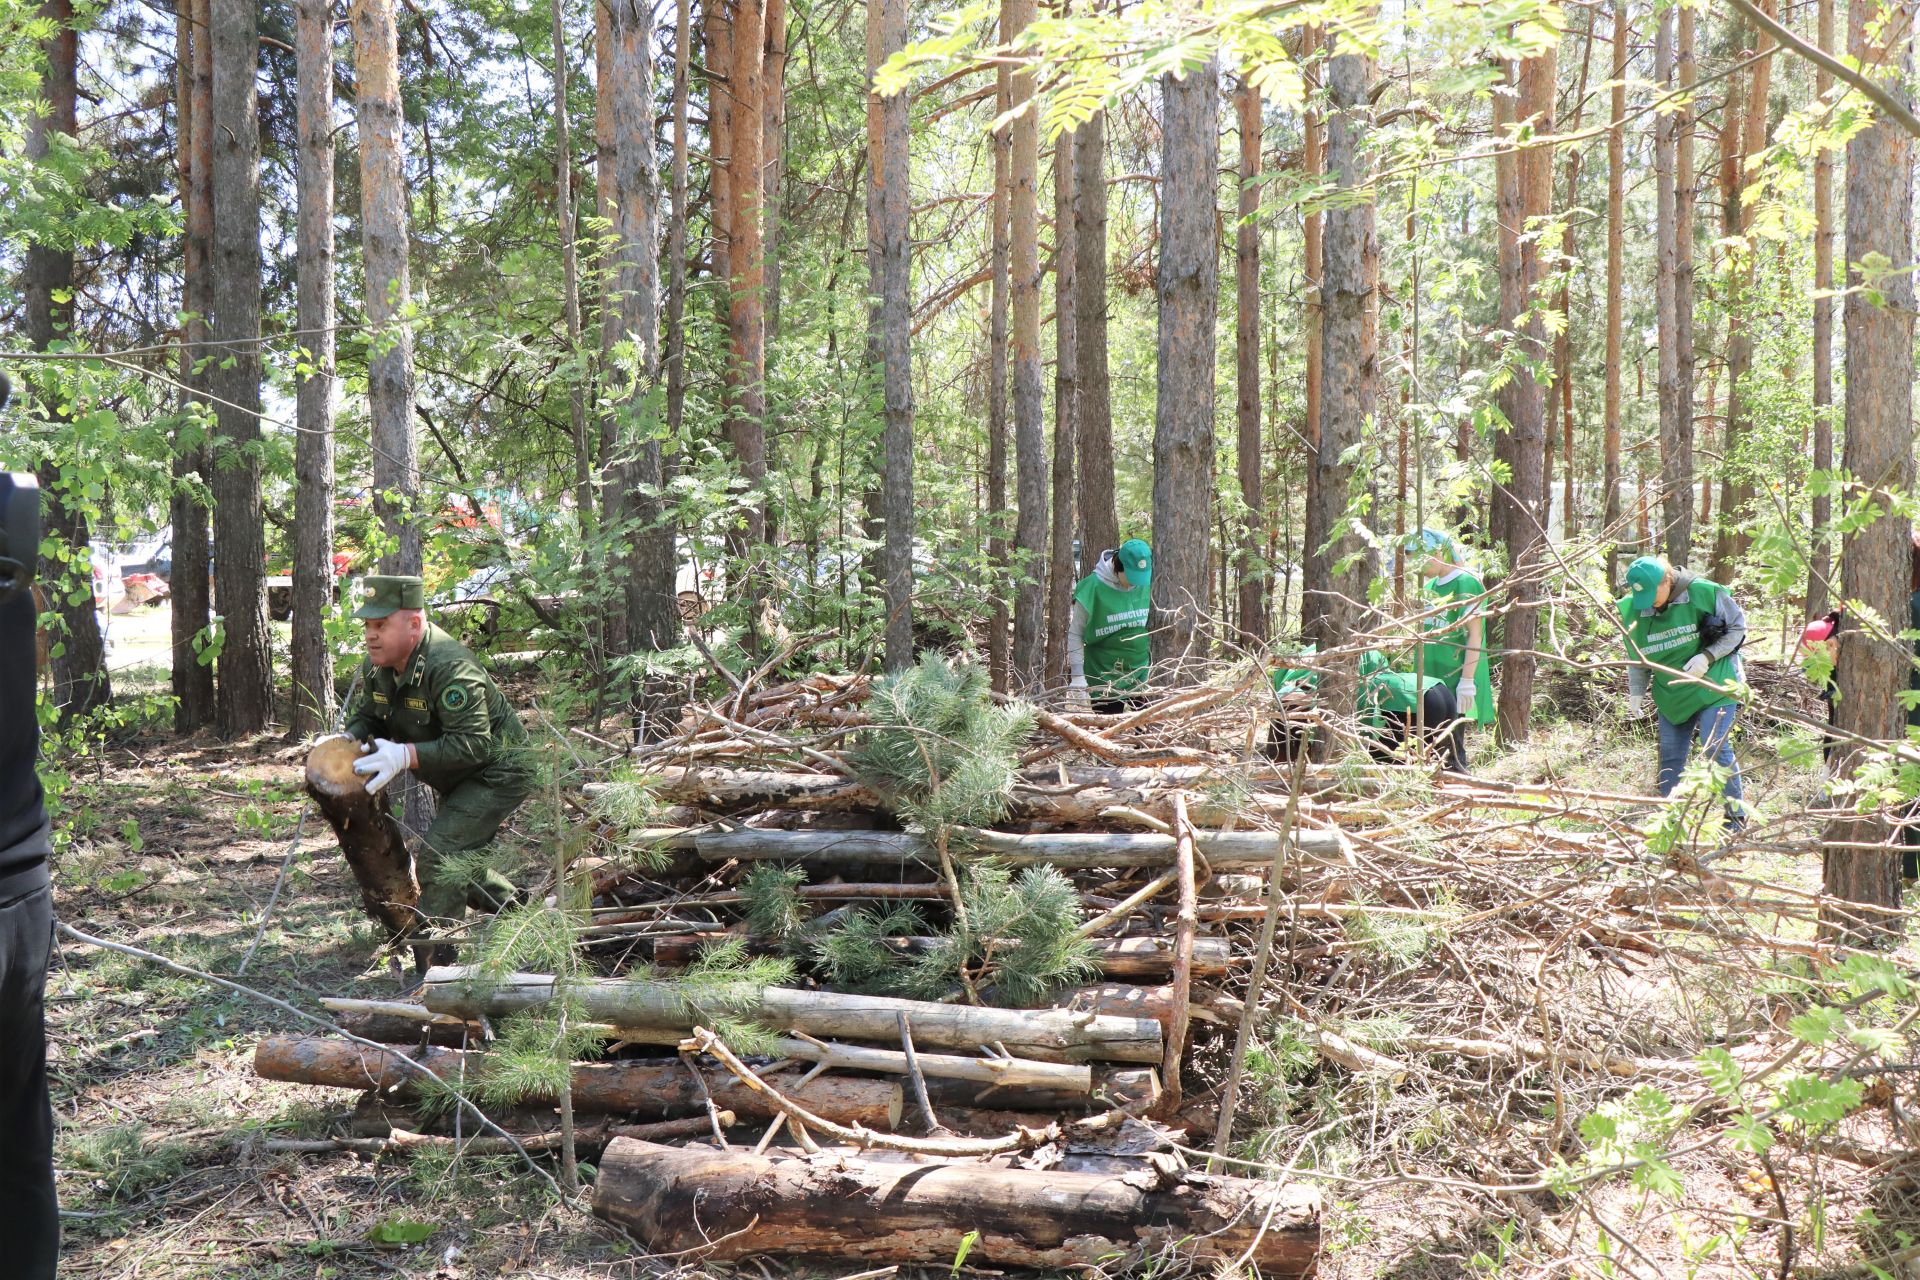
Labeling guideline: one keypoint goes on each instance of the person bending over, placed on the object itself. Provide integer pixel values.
(1107, 633)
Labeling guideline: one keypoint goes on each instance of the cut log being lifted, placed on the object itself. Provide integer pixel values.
(656, 1088)
(1223, 850)
(732, 1204)
(369, 837)
(1048, 1035)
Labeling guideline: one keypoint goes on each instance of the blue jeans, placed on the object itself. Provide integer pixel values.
(1714, 727)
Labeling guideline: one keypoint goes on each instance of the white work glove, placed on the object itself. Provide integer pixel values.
(1636, 705)
(1467, 694)
(382, 762)
(1697, 665)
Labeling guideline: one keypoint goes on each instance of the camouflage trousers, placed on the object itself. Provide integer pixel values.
(470, 815)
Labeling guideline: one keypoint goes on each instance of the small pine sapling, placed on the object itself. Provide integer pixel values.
(859, 954)
(774, 908)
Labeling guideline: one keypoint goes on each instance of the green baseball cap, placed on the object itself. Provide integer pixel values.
(1136, 561)
(1431, 541)
(382, 594)
(1644, 577)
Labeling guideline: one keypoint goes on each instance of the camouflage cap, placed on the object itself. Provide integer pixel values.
(382, 594)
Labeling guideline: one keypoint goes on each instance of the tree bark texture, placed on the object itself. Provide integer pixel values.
(676, 335)
(999, 263)
(245, 694)
(313, 702)
(1048, 1035)
(1616, 280)
(1098, 520)
(80, 681)
(583, 444)
(653, 619)
(1874, 669)
(1736, 490)
(1313, 558)
(1029, 429)
(383, 236)
(732, 1204)
(1673, 168)
(369, 838)
(1820, 566)
(642, 1087)
(773, 138)
(890, 320)
(1254, 576)
(1060, 575)
(1526, 191)
(190, 593)
(746, 311)
(1188, 277)
(1349, 344)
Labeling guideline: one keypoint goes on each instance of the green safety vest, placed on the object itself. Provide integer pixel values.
(1388, 693)
(1670, 637)
(1116, 633)
(1445, 650)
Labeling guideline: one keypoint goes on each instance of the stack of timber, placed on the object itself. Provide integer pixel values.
(874, 1127)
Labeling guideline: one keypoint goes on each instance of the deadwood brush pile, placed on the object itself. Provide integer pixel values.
(839, 929)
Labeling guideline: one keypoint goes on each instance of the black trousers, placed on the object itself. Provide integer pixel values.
(29, 1216)
(1446, 732)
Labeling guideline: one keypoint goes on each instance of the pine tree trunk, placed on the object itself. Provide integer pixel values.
(383, 235)
(1674, 284)
(1873, 670)
(1000, 250)
(1029, 432)
(1349, 342)
(746, 317)
(1820, 567)
(1254, 577)
(1569, 255)
(1314, 563)
(1730, 547)
(1060, 576)
(1526, 191)
(890, 319)
(1188, 278)
(583, 445)
(652, 615)
(245, 701)
(1098, 520)
(773, 138)
(676, 335)
(188, 588)
(312, 702)
(80, 682)
(1616, 277)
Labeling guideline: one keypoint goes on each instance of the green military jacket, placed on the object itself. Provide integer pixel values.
(449, 708)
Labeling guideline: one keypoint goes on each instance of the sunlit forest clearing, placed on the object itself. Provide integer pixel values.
(758, 637)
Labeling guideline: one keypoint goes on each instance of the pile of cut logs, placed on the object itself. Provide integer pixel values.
(884, 1129)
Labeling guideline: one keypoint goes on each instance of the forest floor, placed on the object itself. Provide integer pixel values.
(176, 848)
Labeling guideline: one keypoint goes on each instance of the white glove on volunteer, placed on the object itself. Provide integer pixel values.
(382, 762)
(1467, 694)
(1697, 665)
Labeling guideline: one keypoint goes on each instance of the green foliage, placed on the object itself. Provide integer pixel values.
(1017, 947)
(720, 988)
(121, 1160)
(939, 748)
(532, 1057)
(774, 906)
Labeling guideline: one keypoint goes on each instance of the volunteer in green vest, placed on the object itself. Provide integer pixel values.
(1107, 634)
(425, 704)
(1455, 652)
(1386, 704)
(1679, 621)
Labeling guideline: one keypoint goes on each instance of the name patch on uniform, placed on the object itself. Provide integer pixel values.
(379, 697)
(454, 698)
(416, 704)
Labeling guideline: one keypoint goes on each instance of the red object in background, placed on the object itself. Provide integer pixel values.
(342, 563)
(1817, 630)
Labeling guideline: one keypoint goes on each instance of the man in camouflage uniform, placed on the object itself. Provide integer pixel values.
(426, 704)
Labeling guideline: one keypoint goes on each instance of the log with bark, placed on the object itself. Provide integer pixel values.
(1049, 1035)
(1223, 850)
(733, 1204)
(1135, 957)
(661, 1088)
(369, 837)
